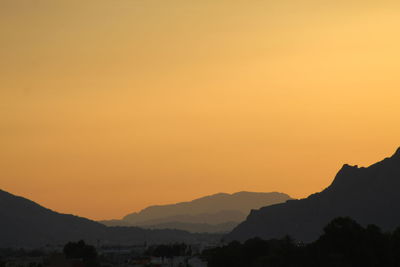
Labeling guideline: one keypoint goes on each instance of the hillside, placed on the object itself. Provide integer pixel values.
(368, 195)
(23, 223)
(214, 210)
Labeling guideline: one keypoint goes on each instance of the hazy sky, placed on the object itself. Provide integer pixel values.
(109, 106)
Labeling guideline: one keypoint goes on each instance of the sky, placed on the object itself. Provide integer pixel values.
(108, 106)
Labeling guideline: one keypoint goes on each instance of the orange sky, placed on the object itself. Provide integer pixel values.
(107, 106)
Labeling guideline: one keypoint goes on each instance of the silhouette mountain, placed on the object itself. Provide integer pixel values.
(23, 223)
(209, 213)
(368, 195)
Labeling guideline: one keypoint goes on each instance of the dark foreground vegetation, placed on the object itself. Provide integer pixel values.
(169, 251)
(344, 243)
(80, 254)
(79, 250)
(73, 254)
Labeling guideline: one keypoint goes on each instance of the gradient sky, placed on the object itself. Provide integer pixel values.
(109, 106)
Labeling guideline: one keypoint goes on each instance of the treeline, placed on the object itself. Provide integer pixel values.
(343, 243)
(17, 253)
(6, 253)
(169, 251)
(82, 251)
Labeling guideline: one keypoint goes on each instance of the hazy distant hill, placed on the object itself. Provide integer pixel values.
(192, 223)
(213, 213)
(25, 223)
(210, 218)
(368, 195)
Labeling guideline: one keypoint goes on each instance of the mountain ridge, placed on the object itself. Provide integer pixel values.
(25, 223)
(367, 194)
(216, 209)
(205, 198)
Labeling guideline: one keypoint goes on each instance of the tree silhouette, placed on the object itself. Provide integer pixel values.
(80, 250)
(343, 243)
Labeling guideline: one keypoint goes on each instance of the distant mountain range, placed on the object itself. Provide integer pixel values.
(368, 195)
(23, 223)
(215, 213)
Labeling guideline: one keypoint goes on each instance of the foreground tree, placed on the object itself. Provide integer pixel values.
(344, 243)
(80, 250)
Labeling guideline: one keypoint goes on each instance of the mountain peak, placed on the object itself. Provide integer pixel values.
(367, 194)
(345, 174)
(347, 170)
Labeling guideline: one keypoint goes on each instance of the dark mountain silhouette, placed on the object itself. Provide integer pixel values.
(23, 223)
(209, 213)
(368, 195)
